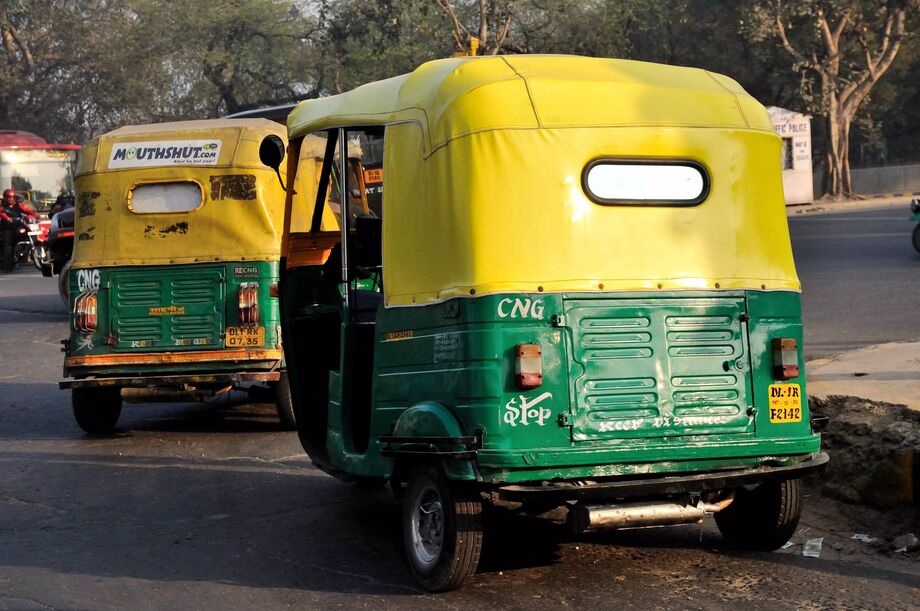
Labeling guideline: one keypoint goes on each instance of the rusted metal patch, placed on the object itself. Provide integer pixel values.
(87, 202)
(86, 235)
(178, 228)
(175, 228)
(233, 186)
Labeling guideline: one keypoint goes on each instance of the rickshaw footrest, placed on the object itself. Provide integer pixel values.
(428, 446)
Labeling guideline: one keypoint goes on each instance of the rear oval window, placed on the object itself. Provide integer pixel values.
(648, 183)
(165, 197)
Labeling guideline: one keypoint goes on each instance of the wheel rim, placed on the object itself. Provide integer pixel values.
(427, 526)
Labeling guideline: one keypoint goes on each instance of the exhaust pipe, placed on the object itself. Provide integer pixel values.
(174, 395)
(585, 518)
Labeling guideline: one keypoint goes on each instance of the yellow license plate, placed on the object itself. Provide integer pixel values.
(245, 337)
(785, 403)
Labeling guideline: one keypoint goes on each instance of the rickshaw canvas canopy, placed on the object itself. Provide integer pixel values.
(483, 173)
(240, 216)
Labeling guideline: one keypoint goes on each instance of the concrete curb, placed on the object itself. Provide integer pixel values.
(889, 373)
(869, 203)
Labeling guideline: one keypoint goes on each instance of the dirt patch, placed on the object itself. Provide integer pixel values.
(872, 482)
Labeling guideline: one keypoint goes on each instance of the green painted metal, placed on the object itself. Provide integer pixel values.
(176, 308)
(659, 367)
(632, 382)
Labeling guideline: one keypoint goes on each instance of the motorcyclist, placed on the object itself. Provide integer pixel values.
(12, 210)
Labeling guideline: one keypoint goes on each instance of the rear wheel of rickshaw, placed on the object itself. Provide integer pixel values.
(442, 530)
(96, 409)
(916, 238)
(763, 518)
(284, 404)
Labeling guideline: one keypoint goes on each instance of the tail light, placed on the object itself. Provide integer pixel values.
(528, 365)
(785, 358)
(249, 303)
(84, 310)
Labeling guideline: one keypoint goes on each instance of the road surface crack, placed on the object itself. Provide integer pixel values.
(26, 599)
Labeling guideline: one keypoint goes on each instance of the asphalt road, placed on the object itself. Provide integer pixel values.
(213, 507)
(860, 279)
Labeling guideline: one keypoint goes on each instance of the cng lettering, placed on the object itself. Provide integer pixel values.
(88, 280)
(520, 308)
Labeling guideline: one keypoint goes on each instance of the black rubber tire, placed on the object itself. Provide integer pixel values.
(461, 541)
(763, 518)
(284, 404)
(38, 257)
(96, 409)
(916, 238)
(64, 284)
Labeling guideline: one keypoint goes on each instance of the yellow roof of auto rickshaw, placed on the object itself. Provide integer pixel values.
(95, 155)
(452, 98)
(239, 217)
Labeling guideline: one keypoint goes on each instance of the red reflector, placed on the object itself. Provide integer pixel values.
(84, 309)
(528, 365)
(273, 289)
(249, 303)
(785, 358)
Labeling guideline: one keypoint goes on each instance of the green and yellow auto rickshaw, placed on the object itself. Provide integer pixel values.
(173, 287)
(561, 281)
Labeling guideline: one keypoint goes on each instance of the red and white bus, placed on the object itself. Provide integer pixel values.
(35, 169)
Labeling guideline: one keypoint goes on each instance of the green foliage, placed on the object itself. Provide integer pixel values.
(70, 69)
(364, 41)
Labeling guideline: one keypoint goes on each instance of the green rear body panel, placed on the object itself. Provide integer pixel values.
(176, 309)
(633, 383)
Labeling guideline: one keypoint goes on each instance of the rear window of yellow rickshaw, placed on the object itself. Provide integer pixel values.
(165, 197)
(645, 182)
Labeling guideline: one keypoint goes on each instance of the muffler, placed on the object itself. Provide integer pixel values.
(585, 518)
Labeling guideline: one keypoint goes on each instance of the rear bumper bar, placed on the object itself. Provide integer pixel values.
(661, 486)
(170, 358)
(176, 380)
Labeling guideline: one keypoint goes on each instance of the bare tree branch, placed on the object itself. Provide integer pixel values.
(787, 45)
(459, 29)
(503, 33)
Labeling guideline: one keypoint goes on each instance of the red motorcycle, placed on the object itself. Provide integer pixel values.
(38, 240)
(30, 237)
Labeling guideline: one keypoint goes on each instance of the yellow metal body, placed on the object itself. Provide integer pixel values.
(109, 233)
(475, 145)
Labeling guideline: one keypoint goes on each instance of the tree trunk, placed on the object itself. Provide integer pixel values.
(839, 183)
(834, 165)
(845, 178)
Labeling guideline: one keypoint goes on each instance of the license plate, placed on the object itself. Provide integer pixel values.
(785, 403)
(245, 337)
